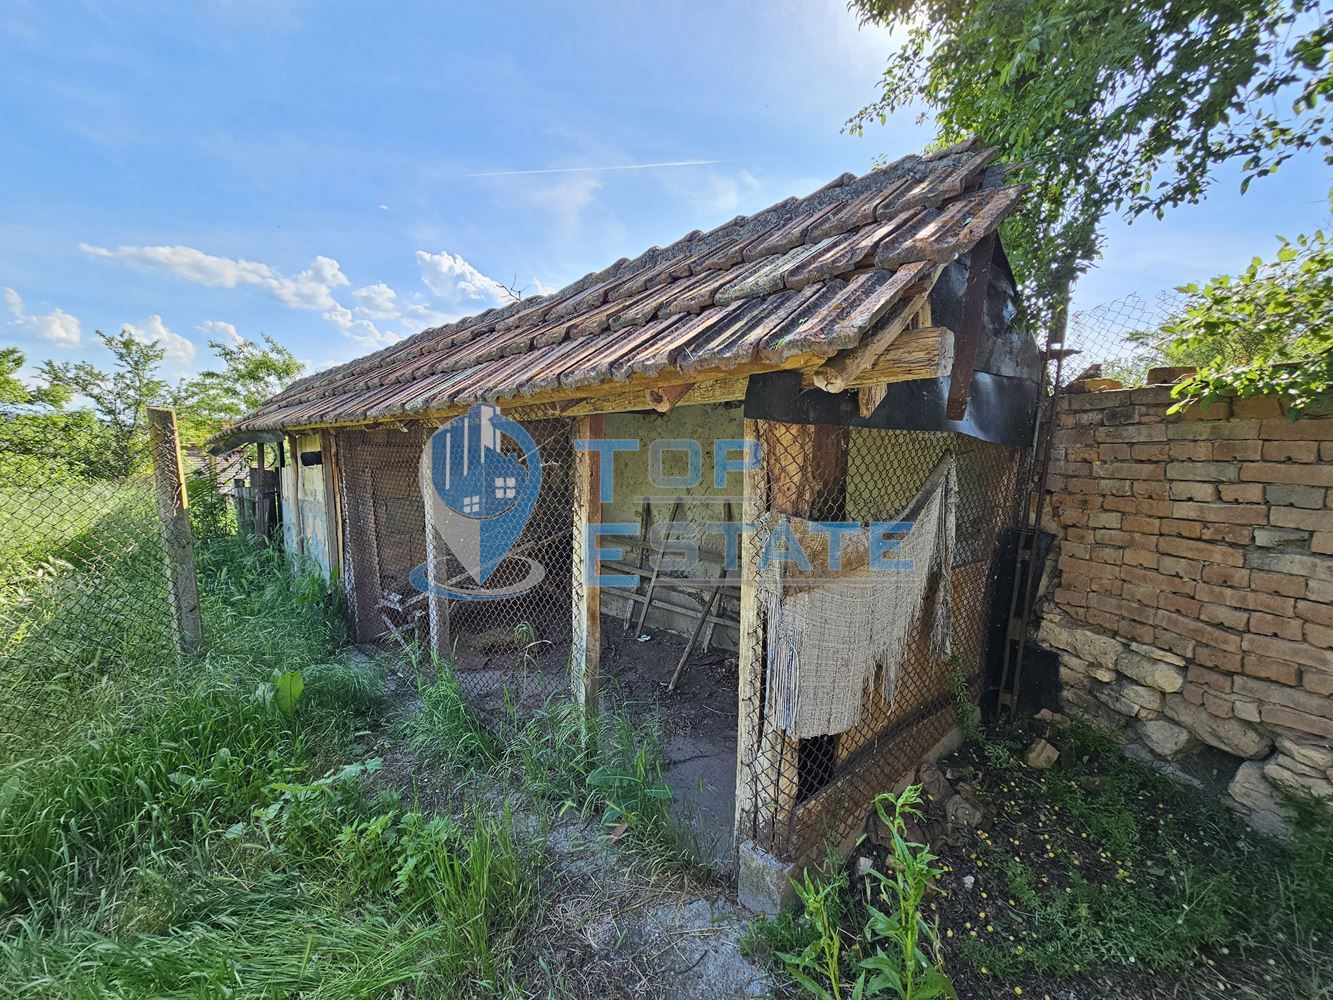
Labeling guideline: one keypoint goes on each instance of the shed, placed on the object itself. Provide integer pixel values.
(841, 371)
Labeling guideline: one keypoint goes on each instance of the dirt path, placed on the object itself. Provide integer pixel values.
(611, 925)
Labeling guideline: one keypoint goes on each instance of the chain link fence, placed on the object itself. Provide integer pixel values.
(83, 594)
(1121, 339)
(818, 790)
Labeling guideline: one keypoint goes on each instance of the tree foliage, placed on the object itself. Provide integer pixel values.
(250, 373)
(82, 419)
(1108, 105)
(120, 397)
(1267, 331)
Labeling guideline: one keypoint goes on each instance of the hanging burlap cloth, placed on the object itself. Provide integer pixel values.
(827, 632)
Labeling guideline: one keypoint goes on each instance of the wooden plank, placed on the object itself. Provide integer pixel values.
(587, 596)
(645, 523)
(173, 508)
(664, 399)
(332, 505)
(969, 333)
(657, 564)
(840, 369)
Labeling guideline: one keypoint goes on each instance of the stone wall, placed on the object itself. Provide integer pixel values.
(1190, 596)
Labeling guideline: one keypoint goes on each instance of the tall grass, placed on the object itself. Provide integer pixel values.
(82, 598)
(609, 765)
(195, 834)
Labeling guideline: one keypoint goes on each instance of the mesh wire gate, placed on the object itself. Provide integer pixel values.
(509, 651)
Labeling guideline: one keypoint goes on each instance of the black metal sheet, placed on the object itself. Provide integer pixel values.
(1000, 409)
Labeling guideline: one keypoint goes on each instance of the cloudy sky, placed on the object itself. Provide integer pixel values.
(340, 174)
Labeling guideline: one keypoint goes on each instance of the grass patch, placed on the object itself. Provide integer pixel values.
(209, 830)
(1101, 867)
(608, 765)
(1115, 866)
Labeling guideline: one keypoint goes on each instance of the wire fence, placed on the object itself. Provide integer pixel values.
(83, 592)
(1121, 339)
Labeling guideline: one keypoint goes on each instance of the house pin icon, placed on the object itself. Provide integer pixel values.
(484, 475)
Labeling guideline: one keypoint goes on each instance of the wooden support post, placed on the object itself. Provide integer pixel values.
(437, 608)
(332, 503)
(292, 461)
(803, 472)
(173, 507)
(750, 653)
(260, 510)
(586, 648)
(969, 327)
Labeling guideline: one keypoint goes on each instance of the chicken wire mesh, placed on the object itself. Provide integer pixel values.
(507, 651)
(804, 794)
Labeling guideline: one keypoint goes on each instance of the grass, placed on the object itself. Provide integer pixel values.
(1100, 866)
(82, 585)
(607, 765)
(214, 828)
(193, 834)
(1121, 868)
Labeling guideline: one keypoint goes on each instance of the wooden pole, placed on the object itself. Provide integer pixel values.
(173, 507)
(586, 650)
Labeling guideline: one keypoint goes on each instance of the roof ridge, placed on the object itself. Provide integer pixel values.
(747, 256)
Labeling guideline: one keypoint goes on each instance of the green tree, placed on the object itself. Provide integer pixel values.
(250, 373)
(120, 397)
(37, 434)
(1267, 331)
(1108, 105)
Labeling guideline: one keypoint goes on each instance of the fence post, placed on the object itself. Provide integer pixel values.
(177, 540)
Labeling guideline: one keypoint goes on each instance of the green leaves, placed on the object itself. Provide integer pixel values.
(1267, 331)
(287, 690)
(1107, 105)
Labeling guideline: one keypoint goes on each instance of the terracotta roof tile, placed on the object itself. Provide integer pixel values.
(808, 275)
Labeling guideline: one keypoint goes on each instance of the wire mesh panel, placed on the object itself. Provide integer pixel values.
(384, 531)
(819, 787)
(408, 583)
(83, 594)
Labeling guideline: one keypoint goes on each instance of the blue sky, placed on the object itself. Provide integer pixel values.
(340, 174)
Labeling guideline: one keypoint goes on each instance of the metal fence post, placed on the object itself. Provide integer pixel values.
(177, 540)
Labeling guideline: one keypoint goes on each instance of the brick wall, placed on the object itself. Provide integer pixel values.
(1190, 596)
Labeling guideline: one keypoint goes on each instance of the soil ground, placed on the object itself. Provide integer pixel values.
(612, 925)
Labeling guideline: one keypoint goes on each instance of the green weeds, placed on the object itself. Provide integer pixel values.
(1129, 870)
(876, 943)
(607, 765)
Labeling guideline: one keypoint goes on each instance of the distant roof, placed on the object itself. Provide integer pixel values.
(808, 276)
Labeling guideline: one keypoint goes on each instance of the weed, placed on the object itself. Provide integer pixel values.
(895, 952)
(913, 967)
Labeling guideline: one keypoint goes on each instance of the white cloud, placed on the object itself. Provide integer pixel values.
(216, 329)
(310, 289)
(567, 200)
(540, 287)
(57, 326)
(361, 332)
(154, 331)
(377, 301)
(459, 285)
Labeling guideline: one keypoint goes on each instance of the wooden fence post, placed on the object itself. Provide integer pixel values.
(177, 541)
(587, 636)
